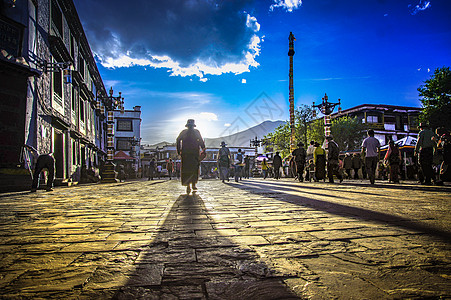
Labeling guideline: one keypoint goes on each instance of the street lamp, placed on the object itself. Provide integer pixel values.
(255, 143)
(326, 109)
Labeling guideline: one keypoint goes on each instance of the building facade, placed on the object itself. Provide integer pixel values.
(50, 87)
(389, 122)
(127, 143)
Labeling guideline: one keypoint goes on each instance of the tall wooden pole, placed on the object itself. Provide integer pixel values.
(291, 40)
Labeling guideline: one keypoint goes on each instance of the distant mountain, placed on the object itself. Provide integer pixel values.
(242, 138)
(159, 145)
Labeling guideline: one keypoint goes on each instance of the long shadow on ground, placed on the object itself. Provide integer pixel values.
(283, 193)
(188, 259)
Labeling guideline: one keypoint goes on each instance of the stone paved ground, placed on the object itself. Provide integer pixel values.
(259, 239)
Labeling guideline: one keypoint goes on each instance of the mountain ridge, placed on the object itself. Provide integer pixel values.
(242, 138)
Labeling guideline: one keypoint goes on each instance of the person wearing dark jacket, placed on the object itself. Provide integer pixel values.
(43, 161)
(356, 164)
(189, 142)
(347, 164)
(299, 155)
(277, 164)
(333, 154)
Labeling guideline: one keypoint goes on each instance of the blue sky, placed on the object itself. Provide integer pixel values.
(225, 63)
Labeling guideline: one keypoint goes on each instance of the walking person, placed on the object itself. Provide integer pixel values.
(224, 162)
(265, 168)
(309, 156)
(319, 159)
(333, 154)
(189, 142)
(159, 169)
(393, 159)
(170, 168)
(370, 147)
(43, 161)
(152, 168)
(247, 165)
(277, 164)
(445, 144)
(238, 165)
(347, 165)
(299, 155)
(356, 164)
(424, 150)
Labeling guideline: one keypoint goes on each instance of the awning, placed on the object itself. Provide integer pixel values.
(121, 155)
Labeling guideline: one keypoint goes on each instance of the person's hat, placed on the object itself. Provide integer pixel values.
(223, 143)
(190, 122)
(329, 137)
(300, 144)
(422, 125)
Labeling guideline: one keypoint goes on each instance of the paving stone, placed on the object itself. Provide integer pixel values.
(259, 239)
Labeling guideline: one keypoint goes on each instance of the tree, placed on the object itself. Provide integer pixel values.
(303, 116)
(348, 132)
(436, 99)
(280, 139)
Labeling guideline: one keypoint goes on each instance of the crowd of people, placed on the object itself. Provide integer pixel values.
(431, 159)
(319, 163)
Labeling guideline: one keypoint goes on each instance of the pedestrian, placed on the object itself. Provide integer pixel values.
(238, 165)
(370, 148)
(424, 150)
(223, 162)
(393, 160)
(319, 159)
(277, 164)
(247, 162)
(292, 167)
(356, 164)
(445, 144)
(309, 156)
(159, 171)
(189, 142)
(265, 168)
(170, 168)
(41, 162)
(311, 170)
(152, 169)
(120, 169)
(299, 155)
(333, 154)
(347, 165)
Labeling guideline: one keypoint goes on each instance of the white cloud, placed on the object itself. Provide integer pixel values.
(197, 38)
(422, 5)
(243, 80)
(288, 5)
(209, 116)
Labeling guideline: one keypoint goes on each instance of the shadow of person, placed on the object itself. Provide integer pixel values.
(190, 259)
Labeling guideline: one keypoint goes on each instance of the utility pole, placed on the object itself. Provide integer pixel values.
(291, 40)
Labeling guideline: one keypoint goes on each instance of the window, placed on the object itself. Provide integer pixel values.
(57, 19)
(124, 125)
(123, 144)
(81, 66)
(72, 47)
(371, 119)
(82, 110)
(74, 99)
